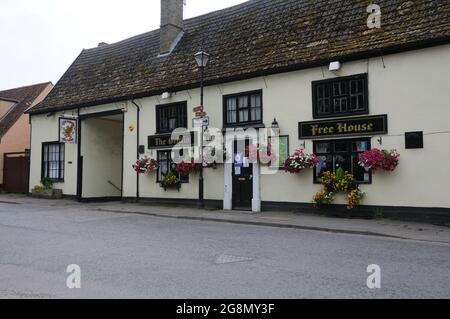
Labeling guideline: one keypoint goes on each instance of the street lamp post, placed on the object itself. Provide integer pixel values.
(202, 59)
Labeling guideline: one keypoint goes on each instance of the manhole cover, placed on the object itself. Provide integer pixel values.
(229, 259)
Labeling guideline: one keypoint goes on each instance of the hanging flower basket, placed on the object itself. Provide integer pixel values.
(146, 165)
(376, 159)
(185, 169)
(300, 161)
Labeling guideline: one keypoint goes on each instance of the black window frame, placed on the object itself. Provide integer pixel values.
(61, 162)
(334, 152)
(239, 123)
(331, 83)
(181, 117)
(182, 179)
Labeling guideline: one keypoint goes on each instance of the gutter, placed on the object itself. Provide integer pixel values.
(138, 108)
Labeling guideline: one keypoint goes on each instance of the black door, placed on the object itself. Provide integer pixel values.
(242, 180)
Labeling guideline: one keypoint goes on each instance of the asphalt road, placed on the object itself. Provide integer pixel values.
(135, 256)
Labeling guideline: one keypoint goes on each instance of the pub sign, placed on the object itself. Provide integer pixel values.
(357, 126)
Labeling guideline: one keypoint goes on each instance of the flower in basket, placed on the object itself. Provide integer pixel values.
(379, 159)
(355, 198)
(323, 197)
(299, 161)
(170, 181)
(185, 168)
(145, 165)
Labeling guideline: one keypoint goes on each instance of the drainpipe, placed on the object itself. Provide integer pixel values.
(138, 196)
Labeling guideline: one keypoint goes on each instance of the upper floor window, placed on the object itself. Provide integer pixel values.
(243, 109)
(53, 161)
(170, 117)
(341, 96)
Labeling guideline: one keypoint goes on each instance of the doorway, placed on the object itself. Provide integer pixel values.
(242, 177)
(16, 170)
(100, 160)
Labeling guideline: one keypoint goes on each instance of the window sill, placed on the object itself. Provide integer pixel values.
(337, 116)
(244, 126)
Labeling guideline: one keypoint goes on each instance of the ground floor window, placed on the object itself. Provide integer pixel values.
(343, 154)
(53, 161)
(166, 165)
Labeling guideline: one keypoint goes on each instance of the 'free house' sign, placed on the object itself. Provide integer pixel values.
(368, 125)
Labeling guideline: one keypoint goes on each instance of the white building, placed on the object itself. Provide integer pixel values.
(268, 60)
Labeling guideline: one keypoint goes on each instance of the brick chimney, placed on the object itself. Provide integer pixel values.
(171, 25)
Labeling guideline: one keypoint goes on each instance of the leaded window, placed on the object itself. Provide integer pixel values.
(340, 96)
(344, 154)
(243, 109)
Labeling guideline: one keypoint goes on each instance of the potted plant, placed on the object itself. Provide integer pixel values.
(376, 159)
(171, 181)
(335, 183)
(300, 161)
(46, 190)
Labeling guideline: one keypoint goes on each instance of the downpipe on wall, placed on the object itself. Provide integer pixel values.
(138, 108)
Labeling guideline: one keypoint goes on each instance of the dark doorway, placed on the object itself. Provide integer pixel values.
(242, 178)
(16, 171)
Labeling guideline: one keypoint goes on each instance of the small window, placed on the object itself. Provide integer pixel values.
(53, 161)
(243, 109)
(343, 154)
(340, 97)
(170, 117)
(166, 165)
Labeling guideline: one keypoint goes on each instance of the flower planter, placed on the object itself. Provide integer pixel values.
(174, 186)
(47, 193)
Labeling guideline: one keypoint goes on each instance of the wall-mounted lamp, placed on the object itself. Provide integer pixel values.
(166, 95)
(335, 66)
(275, 124)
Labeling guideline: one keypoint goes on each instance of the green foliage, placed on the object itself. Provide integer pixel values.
(47, 183)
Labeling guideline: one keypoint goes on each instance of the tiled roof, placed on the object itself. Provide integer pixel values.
(23, 98)
(258, 37)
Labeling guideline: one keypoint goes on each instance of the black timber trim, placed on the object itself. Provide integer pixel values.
(399, 48)
(433, 215)
(100, 114)
(100, 199)
(193, 203)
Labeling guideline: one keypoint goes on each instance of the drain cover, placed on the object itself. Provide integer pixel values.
(229, 259)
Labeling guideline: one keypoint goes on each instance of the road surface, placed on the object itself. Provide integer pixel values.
(135, 256)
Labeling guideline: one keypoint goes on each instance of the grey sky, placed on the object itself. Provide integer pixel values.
(41, 38)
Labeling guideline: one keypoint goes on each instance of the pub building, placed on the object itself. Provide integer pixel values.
(333, 84)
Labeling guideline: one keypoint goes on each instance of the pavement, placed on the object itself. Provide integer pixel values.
(374, 227)
(180, 253)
